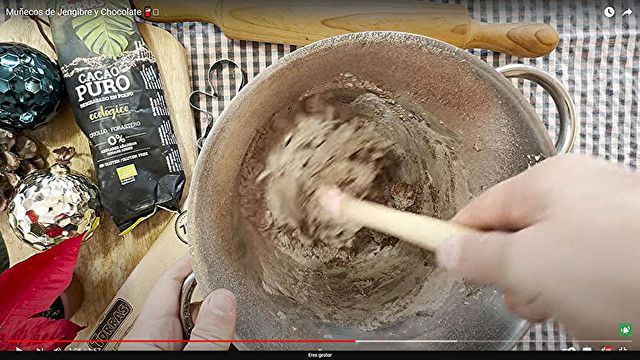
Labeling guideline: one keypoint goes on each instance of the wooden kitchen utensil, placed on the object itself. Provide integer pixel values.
(420, 230)
(303, 22)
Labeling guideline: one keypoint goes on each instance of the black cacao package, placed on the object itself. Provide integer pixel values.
(116, 94)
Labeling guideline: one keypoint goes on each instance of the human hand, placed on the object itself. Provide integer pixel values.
(159, 318)
(563, 241)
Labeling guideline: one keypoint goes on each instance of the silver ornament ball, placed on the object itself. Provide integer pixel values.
(54, 205)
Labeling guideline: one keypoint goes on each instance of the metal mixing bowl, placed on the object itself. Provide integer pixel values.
(467, 95)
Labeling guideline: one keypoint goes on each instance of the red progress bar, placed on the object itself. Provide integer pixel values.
(194, 341)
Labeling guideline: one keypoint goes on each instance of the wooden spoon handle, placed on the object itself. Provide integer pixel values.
(420, 230)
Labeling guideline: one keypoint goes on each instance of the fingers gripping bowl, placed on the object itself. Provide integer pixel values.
(495, 133)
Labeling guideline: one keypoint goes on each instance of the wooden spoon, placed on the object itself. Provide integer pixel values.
(420, 230)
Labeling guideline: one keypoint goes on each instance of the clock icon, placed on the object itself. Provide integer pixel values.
(609, 11)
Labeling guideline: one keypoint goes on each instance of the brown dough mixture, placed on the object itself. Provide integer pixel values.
(328, 146)
(353, 135)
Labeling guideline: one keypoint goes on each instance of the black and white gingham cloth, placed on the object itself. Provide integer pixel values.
(598, 60)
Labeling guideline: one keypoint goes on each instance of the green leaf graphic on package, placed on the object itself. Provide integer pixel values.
(105, 35)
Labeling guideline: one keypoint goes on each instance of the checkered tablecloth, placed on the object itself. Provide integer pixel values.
(598, 60)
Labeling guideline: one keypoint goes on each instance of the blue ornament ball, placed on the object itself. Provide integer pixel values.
(31, 87)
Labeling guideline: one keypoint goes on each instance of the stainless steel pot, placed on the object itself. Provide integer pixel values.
(467, 95)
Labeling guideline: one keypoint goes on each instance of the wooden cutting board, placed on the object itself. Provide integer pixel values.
(107, 259)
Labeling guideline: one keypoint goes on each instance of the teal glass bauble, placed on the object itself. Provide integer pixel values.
(31, 87)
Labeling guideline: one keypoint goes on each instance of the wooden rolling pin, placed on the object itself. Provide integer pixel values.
(420, 230)
(303, 22)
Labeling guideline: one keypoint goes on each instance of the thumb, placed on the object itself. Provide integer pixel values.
(216, 321)
(479, 257)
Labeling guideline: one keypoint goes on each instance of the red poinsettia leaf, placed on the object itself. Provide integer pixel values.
(38, 329)
(31, 286)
